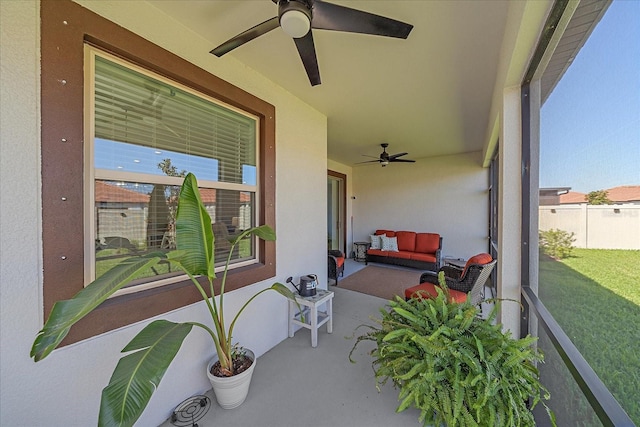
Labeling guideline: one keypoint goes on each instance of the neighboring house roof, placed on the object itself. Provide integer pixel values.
(208, 196)
(107, 193)
(551, 195)
(624, 193)
(554, 191)
(621, 194)
(114, 194)
(573, 197)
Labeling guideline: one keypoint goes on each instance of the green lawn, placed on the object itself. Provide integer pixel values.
(109, 258)
(595, 296)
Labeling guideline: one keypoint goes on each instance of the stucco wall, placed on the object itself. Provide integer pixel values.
(65, 388)
(445, 195)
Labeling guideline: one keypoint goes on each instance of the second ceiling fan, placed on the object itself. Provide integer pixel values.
(298, 17)
(385, 158)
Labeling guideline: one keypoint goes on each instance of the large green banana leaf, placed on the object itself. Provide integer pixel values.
(194, 234)
(264, 232)
(65, 314)
(138, 374)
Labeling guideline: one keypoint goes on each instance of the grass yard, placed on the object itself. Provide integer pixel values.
(109, 258)
(595, 296)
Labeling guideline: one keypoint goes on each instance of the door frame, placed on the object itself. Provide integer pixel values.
(343, 213)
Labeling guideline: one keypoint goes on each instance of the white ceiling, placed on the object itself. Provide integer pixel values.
(428, 95)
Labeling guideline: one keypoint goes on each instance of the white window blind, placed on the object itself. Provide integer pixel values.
(133, 108)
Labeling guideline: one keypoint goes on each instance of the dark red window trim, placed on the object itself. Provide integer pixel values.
(66, 27)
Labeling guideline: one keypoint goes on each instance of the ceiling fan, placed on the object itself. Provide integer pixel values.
(150, 110)
(298, 17)
(385, 158)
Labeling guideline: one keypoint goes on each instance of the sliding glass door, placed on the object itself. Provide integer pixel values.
(336, 212)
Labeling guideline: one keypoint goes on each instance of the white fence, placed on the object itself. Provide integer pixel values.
(595, 227)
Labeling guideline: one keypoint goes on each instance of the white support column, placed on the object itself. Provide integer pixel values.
(510, 209)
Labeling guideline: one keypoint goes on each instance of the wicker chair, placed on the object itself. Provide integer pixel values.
(336, 265)
(471, 279)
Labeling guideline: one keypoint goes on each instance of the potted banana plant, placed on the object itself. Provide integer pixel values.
(150, 352)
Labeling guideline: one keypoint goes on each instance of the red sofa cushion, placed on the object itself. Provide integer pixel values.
(428, 290)
(482, 258)
(401, 254)
(406, 241)
(423, 257)
(388, 233)
(379, 252)
(427, 243)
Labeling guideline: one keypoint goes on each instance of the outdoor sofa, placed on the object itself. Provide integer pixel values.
(405, 248)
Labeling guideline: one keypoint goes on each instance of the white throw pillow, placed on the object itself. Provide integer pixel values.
(375, 241)
(389, 243)
(394, 244)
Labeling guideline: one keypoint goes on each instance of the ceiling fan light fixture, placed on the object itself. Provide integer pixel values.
(384, 163)
(295, 19)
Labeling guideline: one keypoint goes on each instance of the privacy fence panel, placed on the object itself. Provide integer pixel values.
(595, 227)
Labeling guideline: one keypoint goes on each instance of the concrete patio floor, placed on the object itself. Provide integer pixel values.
(297, 385)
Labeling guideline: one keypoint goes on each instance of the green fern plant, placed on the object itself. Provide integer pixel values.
(455, 367)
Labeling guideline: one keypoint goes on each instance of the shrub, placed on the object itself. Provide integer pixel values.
(556, 243)
(600, 197)
(455, 367)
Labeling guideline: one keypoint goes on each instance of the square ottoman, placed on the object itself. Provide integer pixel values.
(428, 290)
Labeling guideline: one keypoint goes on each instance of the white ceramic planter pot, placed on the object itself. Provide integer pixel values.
(231, 391)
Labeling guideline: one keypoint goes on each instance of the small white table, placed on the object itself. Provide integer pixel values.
(313, 318)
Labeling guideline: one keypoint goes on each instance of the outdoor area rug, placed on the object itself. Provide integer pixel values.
(381, 282)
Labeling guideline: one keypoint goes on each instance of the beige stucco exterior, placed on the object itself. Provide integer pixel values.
(423, 197)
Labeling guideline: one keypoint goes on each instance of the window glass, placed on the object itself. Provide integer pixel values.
(589, 213)
(148, 134)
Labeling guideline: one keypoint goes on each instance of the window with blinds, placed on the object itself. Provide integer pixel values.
(147, 133)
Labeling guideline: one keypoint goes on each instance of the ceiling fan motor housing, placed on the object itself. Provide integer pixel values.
(294, 17)
(384, 156)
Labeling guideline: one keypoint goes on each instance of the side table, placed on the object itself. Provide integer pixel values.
(361, 250)
(456, 262)
(313, 318)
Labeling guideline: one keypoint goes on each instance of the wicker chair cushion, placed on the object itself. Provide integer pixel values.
(428, 290)
(427, 243)
(481, 259)
(335, 264)
(406, 241)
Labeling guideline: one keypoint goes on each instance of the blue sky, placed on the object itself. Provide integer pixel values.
(590, 124)
(121, 156)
